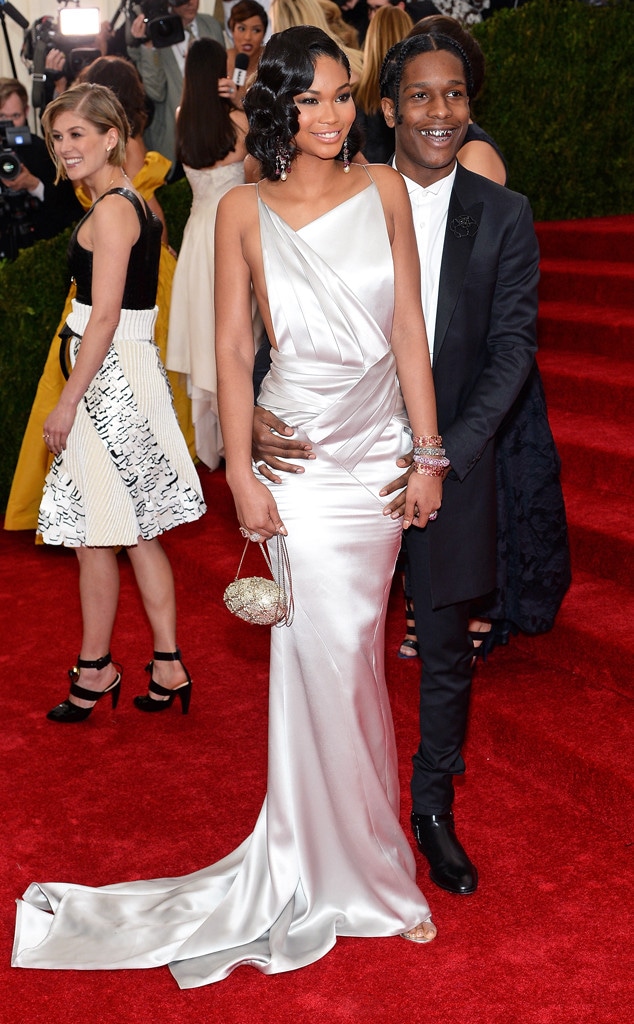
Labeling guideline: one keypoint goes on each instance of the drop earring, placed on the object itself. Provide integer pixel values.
(282, 161)
(346, 156)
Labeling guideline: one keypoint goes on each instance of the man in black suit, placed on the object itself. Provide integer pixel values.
(37, 208)
(481, 319)
(480, 268)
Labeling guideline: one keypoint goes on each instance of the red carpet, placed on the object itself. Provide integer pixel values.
(545, 809)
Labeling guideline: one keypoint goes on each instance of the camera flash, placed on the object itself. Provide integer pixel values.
(79, 21)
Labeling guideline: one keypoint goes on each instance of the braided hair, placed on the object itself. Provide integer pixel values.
(412, 46)
(442, 24)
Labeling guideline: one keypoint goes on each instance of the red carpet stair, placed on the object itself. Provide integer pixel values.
(586, 339)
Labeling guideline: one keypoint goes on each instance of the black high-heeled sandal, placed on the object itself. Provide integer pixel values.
(183, 692)
(409, 647)
(69, 712)
(483, 644)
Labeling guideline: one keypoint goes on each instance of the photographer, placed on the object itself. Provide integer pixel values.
(162, 69)
(31, 205)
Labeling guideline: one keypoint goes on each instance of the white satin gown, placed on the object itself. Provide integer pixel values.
(327, 855)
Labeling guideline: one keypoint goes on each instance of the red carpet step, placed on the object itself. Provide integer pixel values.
(602, 283)
(586, 336)
(597, 238)
(576, 326)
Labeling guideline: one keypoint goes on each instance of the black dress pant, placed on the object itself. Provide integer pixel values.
(446, 653)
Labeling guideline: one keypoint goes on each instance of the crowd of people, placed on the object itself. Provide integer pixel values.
(384, 311)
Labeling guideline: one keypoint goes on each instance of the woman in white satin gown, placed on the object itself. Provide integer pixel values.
(329, 250)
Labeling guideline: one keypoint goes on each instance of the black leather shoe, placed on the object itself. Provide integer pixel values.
(436, 837)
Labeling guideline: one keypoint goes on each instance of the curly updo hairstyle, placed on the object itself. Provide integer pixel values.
(286, 69)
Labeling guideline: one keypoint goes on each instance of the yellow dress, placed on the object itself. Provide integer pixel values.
(34, 459)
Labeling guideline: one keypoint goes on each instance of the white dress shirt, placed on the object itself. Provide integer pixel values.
(429, 211)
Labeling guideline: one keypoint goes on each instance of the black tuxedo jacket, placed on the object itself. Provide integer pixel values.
(484, 348)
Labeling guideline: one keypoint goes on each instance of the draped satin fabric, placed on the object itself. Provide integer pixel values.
(327, 855)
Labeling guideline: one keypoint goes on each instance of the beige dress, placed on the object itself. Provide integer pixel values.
(190, 341)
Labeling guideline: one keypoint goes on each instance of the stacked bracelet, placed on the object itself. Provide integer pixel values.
(425, 470)
(429, 455)
(426, 460)
(429, 451)
(427, 441)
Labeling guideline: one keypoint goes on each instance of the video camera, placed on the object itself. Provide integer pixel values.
(10, 163)
(72, 32)
(163, 27)
(17, 207)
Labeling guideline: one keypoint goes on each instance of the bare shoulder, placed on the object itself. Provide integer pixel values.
(386, 177)
(115, 213)
(239, 202)
(393, 194)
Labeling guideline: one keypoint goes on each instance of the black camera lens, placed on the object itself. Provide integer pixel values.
(163, 28)
(10, 166)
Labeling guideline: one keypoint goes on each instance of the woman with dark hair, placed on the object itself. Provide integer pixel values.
(210, 135)
(248, 23)
(147, 170)
(327, 855)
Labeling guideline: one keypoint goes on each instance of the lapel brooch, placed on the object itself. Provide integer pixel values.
(463, 226)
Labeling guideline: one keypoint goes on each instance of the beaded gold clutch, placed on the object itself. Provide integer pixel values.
(263, 602)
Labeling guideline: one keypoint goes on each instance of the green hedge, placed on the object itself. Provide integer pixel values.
(32, 294)
(559, 101)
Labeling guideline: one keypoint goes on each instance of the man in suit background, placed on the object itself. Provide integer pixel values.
(479, 272)
(162, 71)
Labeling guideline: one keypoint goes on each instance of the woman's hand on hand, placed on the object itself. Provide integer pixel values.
(423, 498)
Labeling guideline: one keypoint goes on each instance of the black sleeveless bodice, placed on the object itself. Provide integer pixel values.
(142, 276)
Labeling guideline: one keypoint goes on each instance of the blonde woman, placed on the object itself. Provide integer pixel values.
(121, 473)
(388, 26)
(346, 33)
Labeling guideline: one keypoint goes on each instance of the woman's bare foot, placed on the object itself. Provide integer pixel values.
(426, 931)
